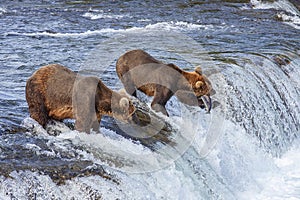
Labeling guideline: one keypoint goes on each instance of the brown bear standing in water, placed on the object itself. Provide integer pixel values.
(55, 92)
(139, 70)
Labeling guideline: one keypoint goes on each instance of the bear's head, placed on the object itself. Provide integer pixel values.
(200, 86)
(122, 107)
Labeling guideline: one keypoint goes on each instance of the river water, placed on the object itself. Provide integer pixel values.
(248, 146)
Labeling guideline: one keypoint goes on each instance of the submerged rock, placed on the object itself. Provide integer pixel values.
(21, 153)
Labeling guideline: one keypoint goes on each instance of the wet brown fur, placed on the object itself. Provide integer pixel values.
(55, 92)
(139, 70)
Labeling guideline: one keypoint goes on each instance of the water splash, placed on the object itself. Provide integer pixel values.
(291, 14)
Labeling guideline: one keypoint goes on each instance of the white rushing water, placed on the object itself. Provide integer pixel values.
(235, 168)
(290, 16)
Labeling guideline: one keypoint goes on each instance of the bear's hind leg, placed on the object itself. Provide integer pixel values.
(36, 104)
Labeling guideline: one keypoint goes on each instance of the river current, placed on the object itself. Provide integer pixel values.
(248, 147)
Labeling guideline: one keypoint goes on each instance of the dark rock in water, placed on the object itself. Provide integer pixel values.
(16, 156)
(191, 3)
(281, 60)
(59, 171)
(50, 31)
(151, 129)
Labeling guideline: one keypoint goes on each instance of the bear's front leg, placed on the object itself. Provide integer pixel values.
(95, 125)
(129, 85)
(83, 102)
(86, 124)
(161, 96)
(81, 126)
(159, 108)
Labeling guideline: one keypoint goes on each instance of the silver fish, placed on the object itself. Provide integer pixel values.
(207, 102)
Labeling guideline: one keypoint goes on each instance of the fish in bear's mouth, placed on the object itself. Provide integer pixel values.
(205, 102)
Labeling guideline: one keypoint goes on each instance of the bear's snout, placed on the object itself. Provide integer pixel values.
(205, 102)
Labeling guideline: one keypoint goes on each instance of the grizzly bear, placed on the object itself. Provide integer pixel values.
(140, 71)
(55, 92)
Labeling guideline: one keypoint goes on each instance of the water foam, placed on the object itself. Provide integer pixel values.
(102, 15)
(2, 11)
(291, 15)
(284, 182)
(293, 21)
(166, 26)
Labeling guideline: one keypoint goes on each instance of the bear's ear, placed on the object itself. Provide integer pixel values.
(123, 92)
(124, 103)
(198, 70)
(199, 84)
